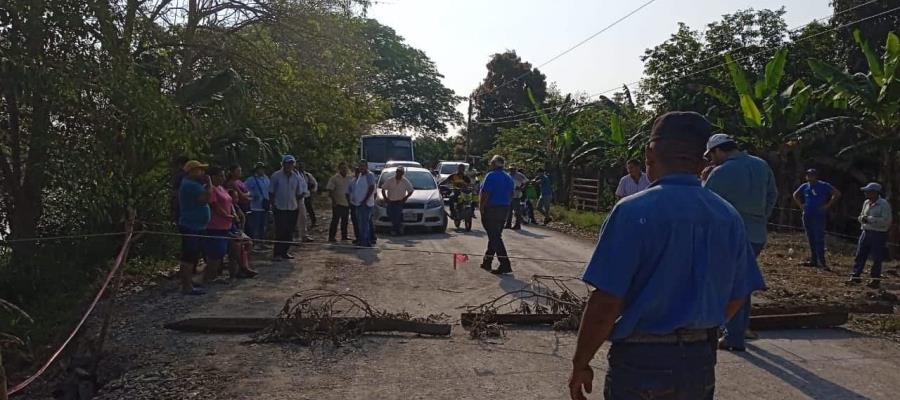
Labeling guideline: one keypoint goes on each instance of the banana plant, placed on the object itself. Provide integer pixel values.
(769, 114)
(874, 97)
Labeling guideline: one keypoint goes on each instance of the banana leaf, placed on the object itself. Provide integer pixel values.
(738, 77)
(774, 72)
(875, 67)
(752, 115)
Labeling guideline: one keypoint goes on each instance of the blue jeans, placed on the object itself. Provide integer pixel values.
(395, 212)
(256, 224)
(737, 326)
(870, 242)
(366, 228)
(814, 223)
(661, 371)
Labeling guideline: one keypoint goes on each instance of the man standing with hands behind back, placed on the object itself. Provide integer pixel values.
(395, 191)
(815, 197)
(672, 264)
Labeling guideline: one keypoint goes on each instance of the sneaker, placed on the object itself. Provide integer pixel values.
(288, 256)
(854, 280)
(723, 345)
(874, 284)
(504, 269)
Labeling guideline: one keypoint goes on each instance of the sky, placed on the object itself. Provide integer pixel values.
(461, 35)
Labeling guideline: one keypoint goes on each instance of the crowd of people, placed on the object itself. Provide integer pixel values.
(223, 215)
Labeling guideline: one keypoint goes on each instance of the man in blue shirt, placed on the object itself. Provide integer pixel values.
(748, 184)
(258, 185)
(194, 194)
(496, 196)
(672, 264)
(815, 197)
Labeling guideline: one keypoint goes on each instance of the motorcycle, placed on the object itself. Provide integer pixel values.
(466, 200)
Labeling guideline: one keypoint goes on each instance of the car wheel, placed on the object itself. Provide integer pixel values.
(443, 227)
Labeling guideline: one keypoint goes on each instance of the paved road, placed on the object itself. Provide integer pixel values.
(527, 364)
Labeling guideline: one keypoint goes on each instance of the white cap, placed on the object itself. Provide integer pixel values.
(718, 140)
(871, 187)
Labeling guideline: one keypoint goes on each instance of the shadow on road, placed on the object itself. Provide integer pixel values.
(812, 334)
(524, 232)
(795, 375)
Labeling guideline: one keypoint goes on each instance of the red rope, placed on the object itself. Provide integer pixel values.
(120, 259)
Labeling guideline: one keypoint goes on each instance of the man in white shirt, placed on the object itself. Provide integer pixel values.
(395, 191)
(515, 207)
(362, 197)
(286, 192)
(634, 182)
(875, 220)
(338, 186)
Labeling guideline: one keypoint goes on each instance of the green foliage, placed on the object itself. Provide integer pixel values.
(583, 220)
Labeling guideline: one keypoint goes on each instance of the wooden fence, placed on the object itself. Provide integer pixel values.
(585, 194)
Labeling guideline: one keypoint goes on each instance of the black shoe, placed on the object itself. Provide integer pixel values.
(288, 256)
(486, 265)
(517, 228)
(874, 284)
(345, 239)
(854, 280)
(504, 269)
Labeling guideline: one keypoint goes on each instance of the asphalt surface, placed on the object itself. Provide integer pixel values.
(414, 274)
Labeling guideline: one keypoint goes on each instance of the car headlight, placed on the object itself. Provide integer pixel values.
(434, 204)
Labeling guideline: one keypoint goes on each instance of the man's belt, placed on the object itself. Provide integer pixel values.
(679, 336)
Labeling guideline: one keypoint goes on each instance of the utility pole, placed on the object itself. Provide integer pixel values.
(469, 128)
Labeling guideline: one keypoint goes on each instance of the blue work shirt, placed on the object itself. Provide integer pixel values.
(675, 254)
(259, 191)
(193, 213)
(815, 196)
(748, 184)
(500, 187)
(546, 189)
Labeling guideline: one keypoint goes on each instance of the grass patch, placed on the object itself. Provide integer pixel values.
(584, 220)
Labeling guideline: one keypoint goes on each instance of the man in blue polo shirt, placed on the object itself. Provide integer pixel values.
(815, 197)
(496, 196)
(672, 264)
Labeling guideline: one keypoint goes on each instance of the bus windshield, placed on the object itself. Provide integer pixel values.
(384, 149)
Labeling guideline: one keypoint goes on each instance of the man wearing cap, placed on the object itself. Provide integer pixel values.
(634, 182)
(875, 219)
(194, 195)
(748, 184)
(286, 191)
(672, 264)
(496, 196)
(258, 185)
(815, 197)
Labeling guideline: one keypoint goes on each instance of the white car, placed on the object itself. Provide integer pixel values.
(425, 208)
(447, 168)
(407, 164)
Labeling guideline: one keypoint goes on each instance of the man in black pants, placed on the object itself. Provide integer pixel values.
(337, 187)
(496, 196)
(286, 192)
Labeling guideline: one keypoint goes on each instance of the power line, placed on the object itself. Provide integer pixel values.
(531, 115)
(570, 49)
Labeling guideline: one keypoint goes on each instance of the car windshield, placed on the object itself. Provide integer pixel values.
(448, 169)
(421, 180)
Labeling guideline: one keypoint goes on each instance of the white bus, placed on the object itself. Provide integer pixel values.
(379, 149)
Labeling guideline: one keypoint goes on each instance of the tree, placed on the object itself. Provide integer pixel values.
(410, 84)
(503, 97)
(430, 150)
(873, 30)
(875, 96)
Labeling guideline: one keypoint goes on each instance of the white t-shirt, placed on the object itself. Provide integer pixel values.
(360, 187)
(397, 189)
(628, 187)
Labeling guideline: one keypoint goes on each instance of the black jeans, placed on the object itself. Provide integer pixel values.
(493, 219)
(870, 243)
(515, 210)
(661, 371)
(339, 216)
(310, 212)
(285, 222)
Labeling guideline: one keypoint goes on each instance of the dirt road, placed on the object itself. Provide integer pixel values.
(152, 363)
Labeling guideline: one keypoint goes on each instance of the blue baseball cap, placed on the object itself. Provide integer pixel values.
(812, 171)
(871, 187)
(287, 158)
